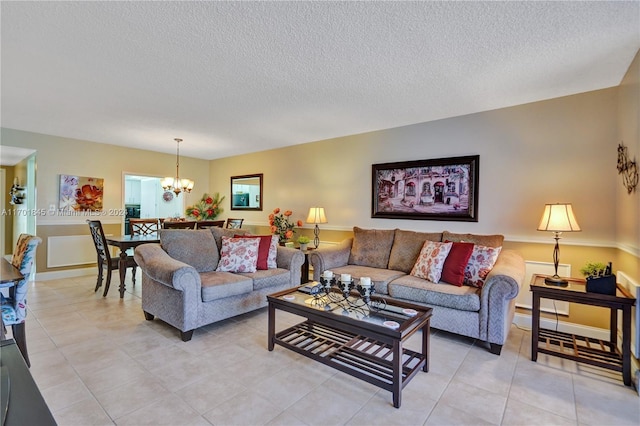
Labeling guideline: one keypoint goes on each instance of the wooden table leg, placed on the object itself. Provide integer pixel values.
(626, 345)
(535, 326)
(271, 327)
(397, 373)
(426, 335)
(122, 268)
(613, 326)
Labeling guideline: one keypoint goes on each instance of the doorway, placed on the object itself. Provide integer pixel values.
(145, 198)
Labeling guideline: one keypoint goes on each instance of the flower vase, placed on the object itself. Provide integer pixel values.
(303, 247)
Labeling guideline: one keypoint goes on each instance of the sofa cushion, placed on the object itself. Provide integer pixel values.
(456, 263)
(483, 240)
(431, 260)
(407, 246)
(193, 247)
(218, 232)
(218, 285)
(238, 254)
(480, 264)
(408, 287)
(269, 278)
(380, 278)
(371, 247)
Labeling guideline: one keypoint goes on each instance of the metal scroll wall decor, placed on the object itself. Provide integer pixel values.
(628, 169)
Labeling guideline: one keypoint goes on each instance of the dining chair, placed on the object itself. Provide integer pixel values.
(205, 224)
(104, 257)
(179, 224)
(144, 226)
(234, 223)
(14, 307)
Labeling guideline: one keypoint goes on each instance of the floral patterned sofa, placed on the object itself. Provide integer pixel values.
(197, 277)
(469, 280)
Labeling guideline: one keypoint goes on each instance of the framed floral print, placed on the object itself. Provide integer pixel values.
(79, 193)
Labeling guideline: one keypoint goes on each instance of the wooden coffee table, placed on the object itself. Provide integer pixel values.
(357, 342)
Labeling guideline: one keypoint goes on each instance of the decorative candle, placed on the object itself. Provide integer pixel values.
(345, 277)
(365, 282)
(327, 275)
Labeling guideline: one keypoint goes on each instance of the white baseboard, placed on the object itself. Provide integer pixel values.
(524, 321)
(67, 273)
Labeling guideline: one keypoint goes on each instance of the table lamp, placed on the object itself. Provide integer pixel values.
(558, 218)
(316, 215)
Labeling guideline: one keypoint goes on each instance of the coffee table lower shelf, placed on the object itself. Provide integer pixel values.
(581, 349)
(359, 356)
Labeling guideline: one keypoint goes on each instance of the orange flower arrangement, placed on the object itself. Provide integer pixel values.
(280, 224)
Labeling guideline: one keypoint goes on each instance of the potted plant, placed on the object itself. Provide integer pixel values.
(593, 269)
(303, 241)
(599, 278)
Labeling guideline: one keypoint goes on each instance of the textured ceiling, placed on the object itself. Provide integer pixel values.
(237, 77)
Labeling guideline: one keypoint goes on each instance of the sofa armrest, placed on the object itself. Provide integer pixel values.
(502, 285)
(507, 274)
(291, 259)
(330, 257)
(162, 268)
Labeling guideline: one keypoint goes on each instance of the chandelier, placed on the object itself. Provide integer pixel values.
(176, 184)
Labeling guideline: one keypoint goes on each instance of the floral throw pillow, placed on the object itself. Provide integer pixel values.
(263, 249)
(238, 254)
(431, 260)
(273, 252)
(480, 264)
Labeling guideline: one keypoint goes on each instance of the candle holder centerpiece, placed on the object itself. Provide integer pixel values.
(340, 291)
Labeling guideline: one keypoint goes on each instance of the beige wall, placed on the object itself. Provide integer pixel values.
(6, 217)
(628, 205)
(57, 155)
(559, 150)
(552, 151)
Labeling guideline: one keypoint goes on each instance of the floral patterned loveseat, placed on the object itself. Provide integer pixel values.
(469, 280)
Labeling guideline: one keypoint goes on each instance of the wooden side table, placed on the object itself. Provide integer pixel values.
(304, 277)
(579, 348)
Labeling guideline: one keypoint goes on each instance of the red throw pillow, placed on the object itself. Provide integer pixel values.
(263, 249)
(456, 262)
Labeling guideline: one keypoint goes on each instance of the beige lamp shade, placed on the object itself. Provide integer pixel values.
(316, 215)
(558, 218)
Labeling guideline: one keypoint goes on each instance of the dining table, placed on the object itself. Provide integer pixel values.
(9, 277)
(124, 243)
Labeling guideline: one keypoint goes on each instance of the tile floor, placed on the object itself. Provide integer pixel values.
(98, 362)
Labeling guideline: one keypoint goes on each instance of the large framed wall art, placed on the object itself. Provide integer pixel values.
(436, 189)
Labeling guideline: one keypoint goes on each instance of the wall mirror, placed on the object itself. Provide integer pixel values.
(246, 192)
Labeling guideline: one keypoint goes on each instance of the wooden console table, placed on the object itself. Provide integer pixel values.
(579, 348)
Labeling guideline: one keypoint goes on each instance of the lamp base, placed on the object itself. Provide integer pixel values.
(556, 280)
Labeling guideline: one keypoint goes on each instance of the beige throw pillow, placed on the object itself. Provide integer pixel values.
(193, 247)
(371, 247)
(483, 240)
(407, 246)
